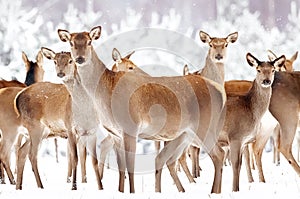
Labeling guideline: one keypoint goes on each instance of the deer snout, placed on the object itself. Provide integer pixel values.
(266, 82)
(218, 57)
(61, 74)
(80, 60)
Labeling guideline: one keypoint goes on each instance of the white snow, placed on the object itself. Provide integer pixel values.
(282, 181)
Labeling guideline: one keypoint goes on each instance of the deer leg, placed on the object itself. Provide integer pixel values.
(35, 139)
(169, 154)
(22, 154)
(5, 163)
(91, 144)
(82, 157)
(182, 161)
(130, 150)
(251, 156)
(217, 157)
(119, 150)
(195, 161)
(247, 161)
(236, 161)
(2, 177)
(69, 175)
(56, 149)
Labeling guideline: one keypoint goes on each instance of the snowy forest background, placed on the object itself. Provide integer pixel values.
(27, 25)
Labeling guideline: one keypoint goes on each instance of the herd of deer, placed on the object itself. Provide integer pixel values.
(98, 109)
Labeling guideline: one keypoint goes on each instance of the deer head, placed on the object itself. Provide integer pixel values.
(64, 64)
(122, 64)
(81, 43)
(288, 65)
(35, 71)
(218, 46)
(265, 70)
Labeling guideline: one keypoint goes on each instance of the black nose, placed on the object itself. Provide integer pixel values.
(219, 57)
(80, 60)
(61, 74)
(266, 82)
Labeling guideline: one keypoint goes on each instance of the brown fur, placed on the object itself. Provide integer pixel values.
(40, 106)
(247, 110)
(9, 123)
(112, 90)
(264, 134)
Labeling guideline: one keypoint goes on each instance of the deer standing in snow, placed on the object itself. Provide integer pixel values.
(9, 123)
(244, 112)
(174, 119)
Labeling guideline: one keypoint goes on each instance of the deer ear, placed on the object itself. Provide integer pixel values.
(129, 55)
(26, 61)
(185, 70)
(116, 55)
(252, 61)
(64, 35)
(294, 57)
(231, 38)
(271, 55)
(48, 53)
(279, 62)
(39, 58)
(95, 33)
(205, 38)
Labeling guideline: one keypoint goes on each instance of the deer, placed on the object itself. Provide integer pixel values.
(213, 69)
(248, 110)
(9, 123)
(45, 110)
(107, 87)
(288, 66)
(67, 69)
(264, 133)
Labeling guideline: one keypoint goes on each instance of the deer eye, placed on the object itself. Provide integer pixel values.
(55, 62)
(226, 45)
(70, 61)
(71, 44)
(89, 42)
(258, 70)
(130, 68)
(273, 70)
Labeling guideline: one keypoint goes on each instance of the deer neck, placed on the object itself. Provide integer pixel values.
(259, 99)
(213, 71)
(91, 72)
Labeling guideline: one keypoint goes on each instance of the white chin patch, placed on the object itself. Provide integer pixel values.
(221, 61)
(265, 85)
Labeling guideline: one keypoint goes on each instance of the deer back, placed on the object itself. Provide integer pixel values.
(44, 102)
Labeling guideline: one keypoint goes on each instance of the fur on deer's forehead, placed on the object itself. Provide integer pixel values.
(265, 65)
(218, 41)
(82, 36)
(63, 56)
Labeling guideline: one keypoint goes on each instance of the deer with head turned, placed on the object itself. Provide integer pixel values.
(9, 123)
(248, 110)
(111, 89)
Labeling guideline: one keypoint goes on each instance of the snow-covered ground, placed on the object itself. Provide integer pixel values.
(282, 181)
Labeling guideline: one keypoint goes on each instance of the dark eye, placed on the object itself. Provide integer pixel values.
(71, 43)
(258, 70)
(226, 45)
(211, 45)
(273, 70)
(89, 42)
(55, 62)
(130, 68)
(70, 61)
